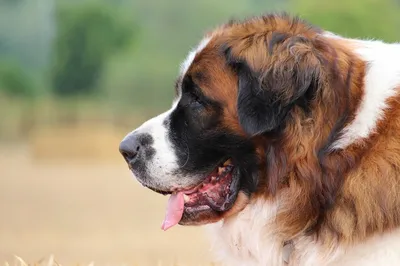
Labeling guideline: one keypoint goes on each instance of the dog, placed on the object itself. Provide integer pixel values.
(284, 139)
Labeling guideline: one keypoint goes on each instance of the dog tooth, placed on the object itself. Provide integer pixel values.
(186, 198)
(221, 170)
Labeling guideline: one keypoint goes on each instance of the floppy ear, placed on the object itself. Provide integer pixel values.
(268, 90)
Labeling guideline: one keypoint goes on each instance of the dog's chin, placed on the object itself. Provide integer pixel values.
(208, 202)
(199, 216)
(203, 215)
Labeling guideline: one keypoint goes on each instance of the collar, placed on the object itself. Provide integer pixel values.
(287, 250)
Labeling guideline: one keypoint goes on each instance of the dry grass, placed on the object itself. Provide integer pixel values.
(84, 208)
(51, 261)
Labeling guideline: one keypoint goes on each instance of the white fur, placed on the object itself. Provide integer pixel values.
(249, 238)
(381, 80)
(379, 250)
(308, 252)
(189, 59)
(163, 167)
(164, 161)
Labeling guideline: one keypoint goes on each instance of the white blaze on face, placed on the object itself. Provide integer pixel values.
(162, 168)
(192, 54)
(188, 62)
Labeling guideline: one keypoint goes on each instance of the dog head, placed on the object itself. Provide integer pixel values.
(248, 104)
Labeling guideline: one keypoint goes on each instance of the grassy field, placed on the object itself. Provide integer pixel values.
(67, 193)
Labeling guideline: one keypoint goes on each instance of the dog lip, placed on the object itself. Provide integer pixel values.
(175, 190)
(205, 213)
(216, 192)
(189, 190)
(227, 164)
(162, 192)
(193, 189)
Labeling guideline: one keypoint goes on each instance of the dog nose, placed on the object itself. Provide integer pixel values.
(130, 148)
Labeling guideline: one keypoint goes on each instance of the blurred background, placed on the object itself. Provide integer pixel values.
(75, 77)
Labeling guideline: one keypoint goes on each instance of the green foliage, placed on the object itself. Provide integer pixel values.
(143, 78)
(87, 36)
(366, 19)
(92, 50)
(14, 81)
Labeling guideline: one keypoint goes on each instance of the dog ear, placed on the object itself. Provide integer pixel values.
(267, 90)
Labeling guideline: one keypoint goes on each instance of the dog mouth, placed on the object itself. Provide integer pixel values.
(216, 193)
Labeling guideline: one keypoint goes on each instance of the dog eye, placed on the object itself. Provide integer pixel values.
(195, 101)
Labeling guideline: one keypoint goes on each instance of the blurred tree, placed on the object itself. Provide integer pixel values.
(168, 30)
(27, 32)
(87, 35)
(14, 81)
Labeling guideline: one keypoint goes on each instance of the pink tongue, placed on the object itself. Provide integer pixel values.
(174, 211)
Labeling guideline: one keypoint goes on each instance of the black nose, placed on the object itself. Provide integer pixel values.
(130, 148)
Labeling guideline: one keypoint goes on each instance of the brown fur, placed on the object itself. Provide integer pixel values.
(344, 195)
(369, 201)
